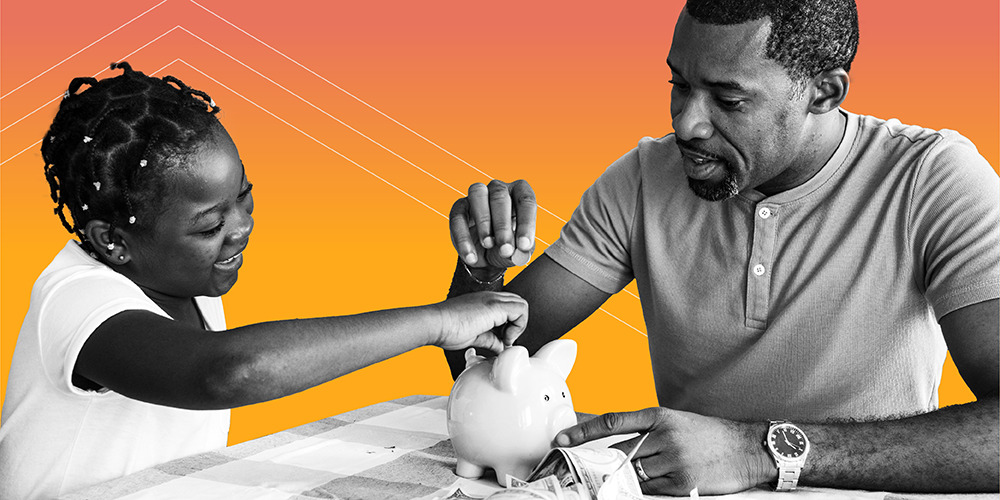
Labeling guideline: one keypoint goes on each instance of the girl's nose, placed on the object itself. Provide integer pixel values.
(243, 225)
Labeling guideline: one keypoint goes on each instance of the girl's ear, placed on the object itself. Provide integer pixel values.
(110, 245)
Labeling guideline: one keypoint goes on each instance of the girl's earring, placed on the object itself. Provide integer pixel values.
(121, 257)
(111, 246)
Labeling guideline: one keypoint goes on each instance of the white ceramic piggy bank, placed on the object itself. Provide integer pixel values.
(504, 413)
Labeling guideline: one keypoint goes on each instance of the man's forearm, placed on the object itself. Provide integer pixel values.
(955, 449)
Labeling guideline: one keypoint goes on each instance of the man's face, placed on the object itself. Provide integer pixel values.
(737, 116)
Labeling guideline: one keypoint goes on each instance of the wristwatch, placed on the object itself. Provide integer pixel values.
(788, 446)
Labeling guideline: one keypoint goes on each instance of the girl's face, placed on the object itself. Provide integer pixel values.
(195, 246)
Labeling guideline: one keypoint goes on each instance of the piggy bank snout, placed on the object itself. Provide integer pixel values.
(562, 417)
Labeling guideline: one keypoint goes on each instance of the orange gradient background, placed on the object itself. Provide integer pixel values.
(551, 92)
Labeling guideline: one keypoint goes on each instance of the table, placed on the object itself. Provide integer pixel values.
(393, 450)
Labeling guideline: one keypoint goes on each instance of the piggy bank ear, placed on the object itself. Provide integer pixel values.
(560, 353)
(507, 366)
(471, 358)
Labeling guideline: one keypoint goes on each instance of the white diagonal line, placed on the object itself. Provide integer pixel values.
(83, 49)
(21, 151)
(40, 140)
(325, 146)
(624, 322)
(356, 98)
(321, 143)
(356, 131)
(54, 99)
(165, 33)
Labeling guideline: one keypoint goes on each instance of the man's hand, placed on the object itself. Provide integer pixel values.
(469, 320)
(685, 450)
(493, 227)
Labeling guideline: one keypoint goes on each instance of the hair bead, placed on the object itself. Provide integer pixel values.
(141, 120)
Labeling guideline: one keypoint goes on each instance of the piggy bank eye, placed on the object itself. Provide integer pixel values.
(546, 397)
(564, 394)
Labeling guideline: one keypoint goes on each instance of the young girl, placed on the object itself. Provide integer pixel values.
(124, 360)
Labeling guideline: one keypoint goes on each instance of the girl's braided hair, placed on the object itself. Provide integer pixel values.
(111, 146)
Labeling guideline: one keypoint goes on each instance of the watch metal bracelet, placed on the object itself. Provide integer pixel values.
(788, 479)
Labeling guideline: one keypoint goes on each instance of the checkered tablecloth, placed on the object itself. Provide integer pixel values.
(397, 449)
(393, 450)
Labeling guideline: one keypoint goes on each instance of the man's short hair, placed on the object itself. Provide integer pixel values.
(807, 36)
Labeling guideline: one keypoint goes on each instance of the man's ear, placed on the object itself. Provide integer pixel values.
(107, 241)
(829, 89)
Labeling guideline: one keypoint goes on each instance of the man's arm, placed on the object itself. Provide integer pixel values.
(493, 228)
(952, 449)
(956, 448)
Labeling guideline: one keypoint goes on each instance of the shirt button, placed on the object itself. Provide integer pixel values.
(764, 212)
(759, 270)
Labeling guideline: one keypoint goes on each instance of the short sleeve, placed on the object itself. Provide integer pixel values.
(213, 313)
(955, 226)
(595, 243)
(71, 311)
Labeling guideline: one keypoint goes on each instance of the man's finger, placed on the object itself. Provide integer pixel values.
(609, 424)
(461, 239)
(525, 208)
(648, 448)
(662, 484)
(479, 210)
(500, 214)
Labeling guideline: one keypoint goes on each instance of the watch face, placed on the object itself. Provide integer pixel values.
(787, 441)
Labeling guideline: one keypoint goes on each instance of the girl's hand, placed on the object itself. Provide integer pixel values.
(469, 320)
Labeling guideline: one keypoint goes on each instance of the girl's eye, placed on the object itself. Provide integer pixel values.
(215, 230)
(245, 192)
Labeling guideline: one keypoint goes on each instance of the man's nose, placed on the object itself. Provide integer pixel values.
(693, 121)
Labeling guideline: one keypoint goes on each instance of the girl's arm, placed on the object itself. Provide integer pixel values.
(147, 357)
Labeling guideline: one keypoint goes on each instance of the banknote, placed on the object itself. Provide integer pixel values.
(572, 474)
(598, 472)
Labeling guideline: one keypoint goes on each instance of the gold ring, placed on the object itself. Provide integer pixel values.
(639, 471)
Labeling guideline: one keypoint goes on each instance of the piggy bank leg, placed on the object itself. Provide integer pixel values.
(503, 472)
(468, 469)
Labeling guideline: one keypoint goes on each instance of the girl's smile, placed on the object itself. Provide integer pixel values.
(195, 246)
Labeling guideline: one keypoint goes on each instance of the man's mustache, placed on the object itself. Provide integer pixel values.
(688, 147)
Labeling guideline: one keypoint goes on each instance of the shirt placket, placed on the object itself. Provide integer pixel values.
(759, 265)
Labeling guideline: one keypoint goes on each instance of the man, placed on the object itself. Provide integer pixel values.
(795, 262)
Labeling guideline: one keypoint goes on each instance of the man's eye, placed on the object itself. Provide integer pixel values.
(679, 85)
(732, 104)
